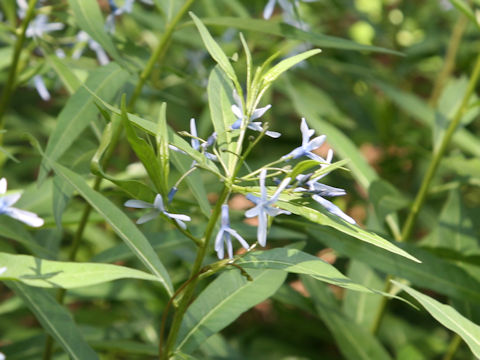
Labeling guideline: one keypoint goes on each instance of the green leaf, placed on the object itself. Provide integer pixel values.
(362, 307)
(68, 275)
(323, 217)
(88, 16)
(120, 222)
(272, 74)
(386, 198)
(135, 189)
(448, 317)
(14, 230)
(353, 341)
(291, 32)
(220, 100)
(298, 262)
(145, 153)
(162, 144)
(68, 77)
(222, 302)
(214, 49)
(433, 273)
(80, 110)
(417, 108)
(55, 319)
(465, 8)
(456, 228)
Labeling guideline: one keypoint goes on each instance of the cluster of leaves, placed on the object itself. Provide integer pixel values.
(86, 131)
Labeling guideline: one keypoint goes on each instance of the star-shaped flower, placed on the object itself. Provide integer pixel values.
(159, 208)
(224, 236)
(264, 207)
(237, 110)
(307, 145)
(6, 208)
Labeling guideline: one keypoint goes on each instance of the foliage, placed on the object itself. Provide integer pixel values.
(336, 142)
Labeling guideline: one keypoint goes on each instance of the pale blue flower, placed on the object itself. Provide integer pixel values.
(159, 208)
(320, 190)
(6, 208)
(85, 39)
(116, 11)
(41, 88)
(195, 143)
(224, 236)
(264, 207)
(332, 208)
(40, 25)
(290, 11)
(237, 110)
(307, 145)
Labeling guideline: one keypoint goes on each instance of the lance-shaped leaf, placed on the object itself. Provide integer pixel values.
(55, 319)
(45, 273)
(214, 49)
(299, 262)
(163, 151)
(353, 341)
(80, 111)
(145, 153)
(448, 317)
(121, 224)
(272, 74)
(88, 16)
(222, 302)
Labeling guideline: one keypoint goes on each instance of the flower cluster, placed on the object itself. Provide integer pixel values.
(307, 184)
(6, 202)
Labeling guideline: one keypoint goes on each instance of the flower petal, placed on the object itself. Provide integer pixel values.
(334, 209)
(193, 131)
(9, 200)
(219, 246)
(268, 10)
(26, 217)
(158, 203)
(253, 211)
(237, 236)
(258, 113)
(262, 228)
(138, 204)
(237, 112)
(3, 186)
(147, 217)
(273, 134)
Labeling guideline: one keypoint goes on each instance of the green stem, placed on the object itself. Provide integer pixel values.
(427, 180)
(192, 281)
(449, 63)
(453, 347)
(10, 84)
(159, 52)
(438, 155)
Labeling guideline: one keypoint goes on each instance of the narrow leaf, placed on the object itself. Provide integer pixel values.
(222, 302)
(272, 74)
(448, 317)
(44, 273)
(213, 48)
(55, 319)
(120, 222)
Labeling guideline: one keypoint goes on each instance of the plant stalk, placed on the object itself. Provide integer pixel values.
(12, 73)
(427, 180)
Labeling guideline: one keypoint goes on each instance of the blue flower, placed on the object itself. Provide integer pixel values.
(307, 145)
(158, 209)
(84, 39)
(196, 143)
(6, 208)
(224, 236)
(332, 208)
(320, 190)
(41, 88)
(40, 25)
(264, 207)
(237, 110)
